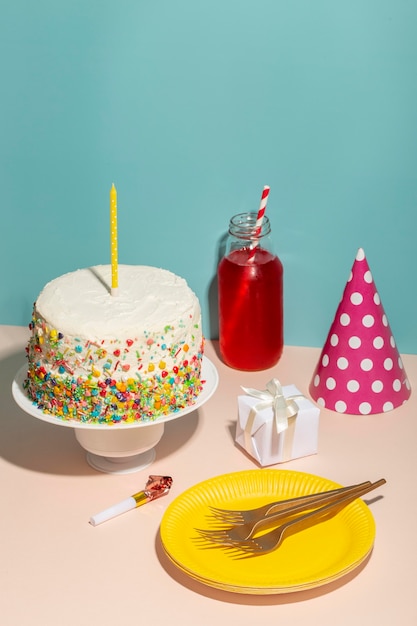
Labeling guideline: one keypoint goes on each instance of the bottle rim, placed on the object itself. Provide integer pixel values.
(243, 225)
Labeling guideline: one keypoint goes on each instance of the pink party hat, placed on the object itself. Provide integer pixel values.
(360, 370)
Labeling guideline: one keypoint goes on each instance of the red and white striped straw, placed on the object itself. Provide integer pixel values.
(259, 219)
(261, 211)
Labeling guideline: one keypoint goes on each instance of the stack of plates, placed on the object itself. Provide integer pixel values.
(316, 556)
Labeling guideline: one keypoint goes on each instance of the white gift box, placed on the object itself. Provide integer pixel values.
(277, 425)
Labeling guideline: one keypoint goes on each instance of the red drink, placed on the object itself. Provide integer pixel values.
(250, 309)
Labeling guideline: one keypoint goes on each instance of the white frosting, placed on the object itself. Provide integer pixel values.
(80, 302)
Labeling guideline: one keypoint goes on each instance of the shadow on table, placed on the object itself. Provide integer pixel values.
(41, 447)
(249, 599)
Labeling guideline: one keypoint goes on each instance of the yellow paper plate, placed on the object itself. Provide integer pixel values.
(315, 556)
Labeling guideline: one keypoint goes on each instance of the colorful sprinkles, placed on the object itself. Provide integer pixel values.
(110, 382)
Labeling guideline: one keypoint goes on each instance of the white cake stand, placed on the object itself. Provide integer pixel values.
(118, 448)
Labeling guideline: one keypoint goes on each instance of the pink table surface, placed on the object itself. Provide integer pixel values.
(56, 569)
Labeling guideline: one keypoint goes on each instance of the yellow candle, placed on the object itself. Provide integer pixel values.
(113, 241)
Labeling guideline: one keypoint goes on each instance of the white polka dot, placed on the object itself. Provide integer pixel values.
(388, 364)
(325, 360)
(356, 298)
(366, 365)
(388, 406)
(377, 386)
(354, 342)
(360, 255)
(353, 386)
(342, 363)
(396, 385)
(365, 408)
(350, 277)
(330, 383)
(316, 381)
(385, 320)
(400, 363)
(321, 402)
(345, 319)
(377, 299)
(368, 321)
(392, 341)
(378, 343)
(334, 339)
(340, 406)
(407, 383)
(367, 277)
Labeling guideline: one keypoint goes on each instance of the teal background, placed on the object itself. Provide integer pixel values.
(191, 107)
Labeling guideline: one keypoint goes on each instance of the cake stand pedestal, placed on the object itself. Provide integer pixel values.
(121, 451)
(118, 448)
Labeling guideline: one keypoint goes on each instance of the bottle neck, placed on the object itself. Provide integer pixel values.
(244, 226)
(246, 235)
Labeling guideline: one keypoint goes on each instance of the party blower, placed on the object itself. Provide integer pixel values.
(156, 487)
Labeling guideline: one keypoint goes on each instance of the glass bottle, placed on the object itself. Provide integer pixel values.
(250, 290)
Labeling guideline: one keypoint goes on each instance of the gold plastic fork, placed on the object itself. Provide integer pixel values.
(241, 532)
(250, 516)
(271, 540)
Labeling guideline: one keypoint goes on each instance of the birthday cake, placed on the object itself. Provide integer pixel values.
(101, 358)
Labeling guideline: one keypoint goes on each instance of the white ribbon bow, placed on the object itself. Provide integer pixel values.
(283, 408)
